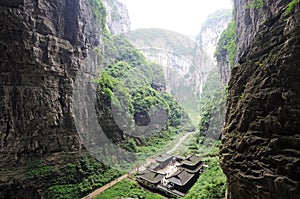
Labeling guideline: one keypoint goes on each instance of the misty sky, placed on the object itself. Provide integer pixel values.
(183, 16)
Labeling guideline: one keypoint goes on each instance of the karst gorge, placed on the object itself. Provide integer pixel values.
(92, 109)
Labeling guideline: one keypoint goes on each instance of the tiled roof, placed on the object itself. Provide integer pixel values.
(192, 160)
(151, 176)
(174, 192)
(163, 157)
(195, 170)
(181, 177)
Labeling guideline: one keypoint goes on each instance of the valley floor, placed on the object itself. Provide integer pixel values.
(177, 142)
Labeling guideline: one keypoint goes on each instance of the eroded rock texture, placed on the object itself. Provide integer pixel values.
(260, 152)
(224, 68)
(44, 48)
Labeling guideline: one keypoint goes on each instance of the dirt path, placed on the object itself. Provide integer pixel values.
(142, 167)
(101, 189)
(180, 142)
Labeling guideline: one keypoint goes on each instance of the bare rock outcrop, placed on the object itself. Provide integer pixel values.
(261, 138)
(44, 51)
(211, 31)
(117, 17)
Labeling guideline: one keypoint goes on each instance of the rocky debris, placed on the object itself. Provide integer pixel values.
(260, 143)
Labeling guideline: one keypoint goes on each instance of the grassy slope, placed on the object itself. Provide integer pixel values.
(127, 188)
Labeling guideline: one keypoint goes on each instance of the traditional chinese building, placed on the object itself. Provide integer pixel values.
(150, 178)
(192, 163)
(179, 183)
(172, 178)
(163, 160)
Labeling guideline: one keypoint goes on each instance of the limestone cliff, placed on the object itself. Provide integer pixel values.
(176, 52)
(43, 44)
(225, 52)
(260, 141)
(211, 30)
(224, 68)
(186, 64)
(45, 51)
(117, 16)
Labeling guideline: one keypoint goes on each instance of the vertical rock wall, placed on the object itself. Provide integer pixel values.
(260, 152)
(211, 31)
(224, 68)
(45, 49)
(38, 61)
(117, 17)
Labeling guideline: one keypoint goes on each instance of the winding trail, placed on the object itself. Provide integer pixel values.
(108, 185)
(181, 139)
(142, 167)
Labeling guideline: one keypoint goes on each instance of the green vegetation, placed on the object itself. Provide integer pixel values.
(64, 191)
(256, 4)
(213, 19)
(128, 80)
(81, 178)
(99, 12)
(127, 189)
(124, 85)
(181, 46)
(290, 7)
(38, 169)
(211, 184)
(132, 86)
(78, 177)
(212, 105)
(226, 44)
(157, 143)
(143, 149)
(83, 173)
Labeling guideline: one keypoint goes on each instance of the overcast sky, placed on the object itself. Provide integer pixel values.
(183, 16)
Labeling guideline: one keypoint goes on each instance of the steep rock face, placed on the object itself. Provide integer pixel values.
(45, 51)
(225, 52)
(261, 139)
(180, 55)
(224, 68)
(117, 16)
(211, 31)
(186, 64)
(178, 71)
(34, 45)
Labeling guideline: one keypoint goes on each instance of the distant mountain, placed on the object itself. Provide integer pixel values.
(211, 30)
(185, 63)
(167, 39)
